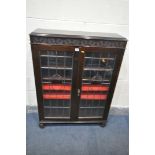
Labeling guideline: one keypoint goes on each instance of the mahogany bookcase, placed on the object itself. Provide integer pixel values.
(75, 74)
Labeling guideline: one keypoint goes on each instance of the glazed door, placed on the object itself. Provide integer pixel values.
(53, 67)
(99, 74)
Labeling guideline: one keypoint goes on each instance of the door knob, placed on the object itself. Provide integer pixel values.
(78, 92)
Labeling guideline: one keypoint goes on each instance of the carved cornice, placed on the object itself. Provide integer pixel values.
(78, 42)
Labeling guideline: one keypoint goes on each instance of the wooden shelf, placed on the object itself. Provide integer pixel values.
(97, 69)
(56, 67)
(62, 79)
(56, 107)
(53, 56)
(70, 68)
(91, 107)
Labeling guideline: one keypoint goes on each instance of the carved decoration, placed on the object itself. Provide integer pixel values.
(77, 42)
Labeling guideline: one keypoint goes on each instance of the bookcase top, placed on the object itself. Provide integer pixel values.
(77, 34)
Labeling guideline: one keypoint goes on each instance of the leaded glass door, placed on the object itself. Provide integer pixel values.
(56, 80)
(97, 73)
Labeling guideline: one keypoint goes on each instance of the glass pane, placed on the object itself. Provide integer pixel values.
(97, 73)
(56, 75)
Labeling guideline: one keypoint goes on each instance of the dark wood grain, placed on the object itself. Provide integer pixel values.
(77, 34)
(37, 74)
(74, 101)
(77, 71)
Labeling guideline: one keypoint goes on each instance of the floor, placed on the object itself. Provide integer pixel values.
(79, 139)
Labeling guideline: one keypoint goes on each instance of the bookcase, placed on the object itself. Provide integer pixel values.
(75, 74)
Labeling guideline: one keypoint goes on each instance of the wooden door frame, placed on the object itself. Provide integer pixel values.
(119, 52)
(37, 73)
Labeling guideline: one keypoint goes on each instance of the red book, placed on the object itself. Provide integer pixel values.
(68, 87)
(56, 87)
(57, 96)
(93, 97)
(68, 96)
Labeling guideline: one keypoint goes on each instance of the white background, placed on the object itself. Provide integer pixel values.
(82, 15)
(13, 64)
